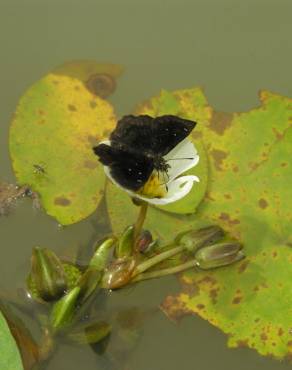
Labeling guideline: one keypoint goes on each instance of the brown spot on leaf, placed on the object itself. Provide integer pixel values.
(264, 337)
(235, 169)
(227, 196)
(190, 289)
(61, 201)
(200, 306)
(208, 280)
(284, 164)
(242, 267)
(72, 108)
(41, 112)
(242, 343)
(218, 157)
(279, 135)
(253, 165)
(174, 308)
(209, 196)
(280, 332)
(213, 295)
(226, 218)
(263, 203)
(257, 320)
(90, 164)
(220, 121)
(92, 104)
(236, 300)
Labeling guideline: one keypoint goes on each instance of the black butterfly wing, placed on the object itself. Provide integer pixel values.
(168, 131)
(130, 169)
(134, 132)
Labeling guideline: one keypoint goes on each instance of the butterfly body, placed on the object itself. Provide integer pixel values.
(137, 147)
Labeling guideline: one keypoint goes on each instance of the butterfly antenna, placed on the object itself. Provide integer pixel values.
(177, 159)
(164, 183)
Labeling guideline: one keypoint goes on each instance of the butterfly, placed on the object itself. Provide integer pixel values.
(137, 147)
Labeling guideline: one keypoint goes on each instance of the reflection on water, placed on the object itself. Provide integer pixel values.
(231, 48)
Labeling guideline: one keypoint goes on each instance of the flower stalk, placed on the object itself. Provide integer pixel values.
(139, 223)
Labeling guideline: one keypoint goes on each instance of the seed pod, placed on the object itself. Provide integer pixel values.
(193, 240)
(217, 255)
(47, 279)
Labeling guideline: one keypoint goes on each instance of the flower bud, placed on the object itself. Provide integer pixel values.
(193, 240)
(145, 242)
(88, 283)
(63, 311)
(101, 255)
(124, 247)
(47, 279)
(217, 255)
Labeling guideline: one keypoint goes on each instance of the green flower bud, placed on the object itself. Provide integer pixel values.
(90, 333)
(88, 283)
(193, 240)
(101, 255)
(124, 247)
(217, 255)
(47, 279)
(63, 311)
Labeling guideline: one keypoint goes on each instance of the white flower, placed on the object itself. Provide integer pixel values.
(162, 188)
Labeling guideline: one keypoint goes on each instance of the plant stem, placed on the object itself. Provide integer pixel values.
(156, 259)
(164, 272)
(139, 223)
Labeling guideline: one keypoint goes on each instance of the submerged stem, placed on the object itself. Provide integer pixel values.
(156, 259)
(164, 272)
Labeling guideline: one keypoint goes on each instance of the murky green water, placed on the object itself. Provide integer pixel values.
(231, 48)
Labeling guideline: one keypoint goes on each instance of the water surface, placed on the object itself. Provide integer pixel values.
(231, 48)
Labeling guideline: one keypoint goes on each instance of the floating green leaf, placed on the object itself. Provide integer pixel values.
(248, 195)
(57, 122)
(10, 358)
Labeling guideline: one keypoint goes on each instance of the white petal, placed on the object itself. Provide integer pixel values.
(177, 189)
(174, 158)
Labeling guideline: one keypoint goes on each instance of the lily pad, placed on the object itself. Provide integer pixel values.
(10, 358)
(57, 122)
(248, 195)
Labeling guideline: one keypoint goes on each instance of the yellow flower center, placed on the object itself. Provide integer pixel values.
(154, 187)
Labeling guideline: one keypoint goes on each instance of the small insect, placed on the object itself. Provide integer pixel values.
(39, 169)
(138, 145)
